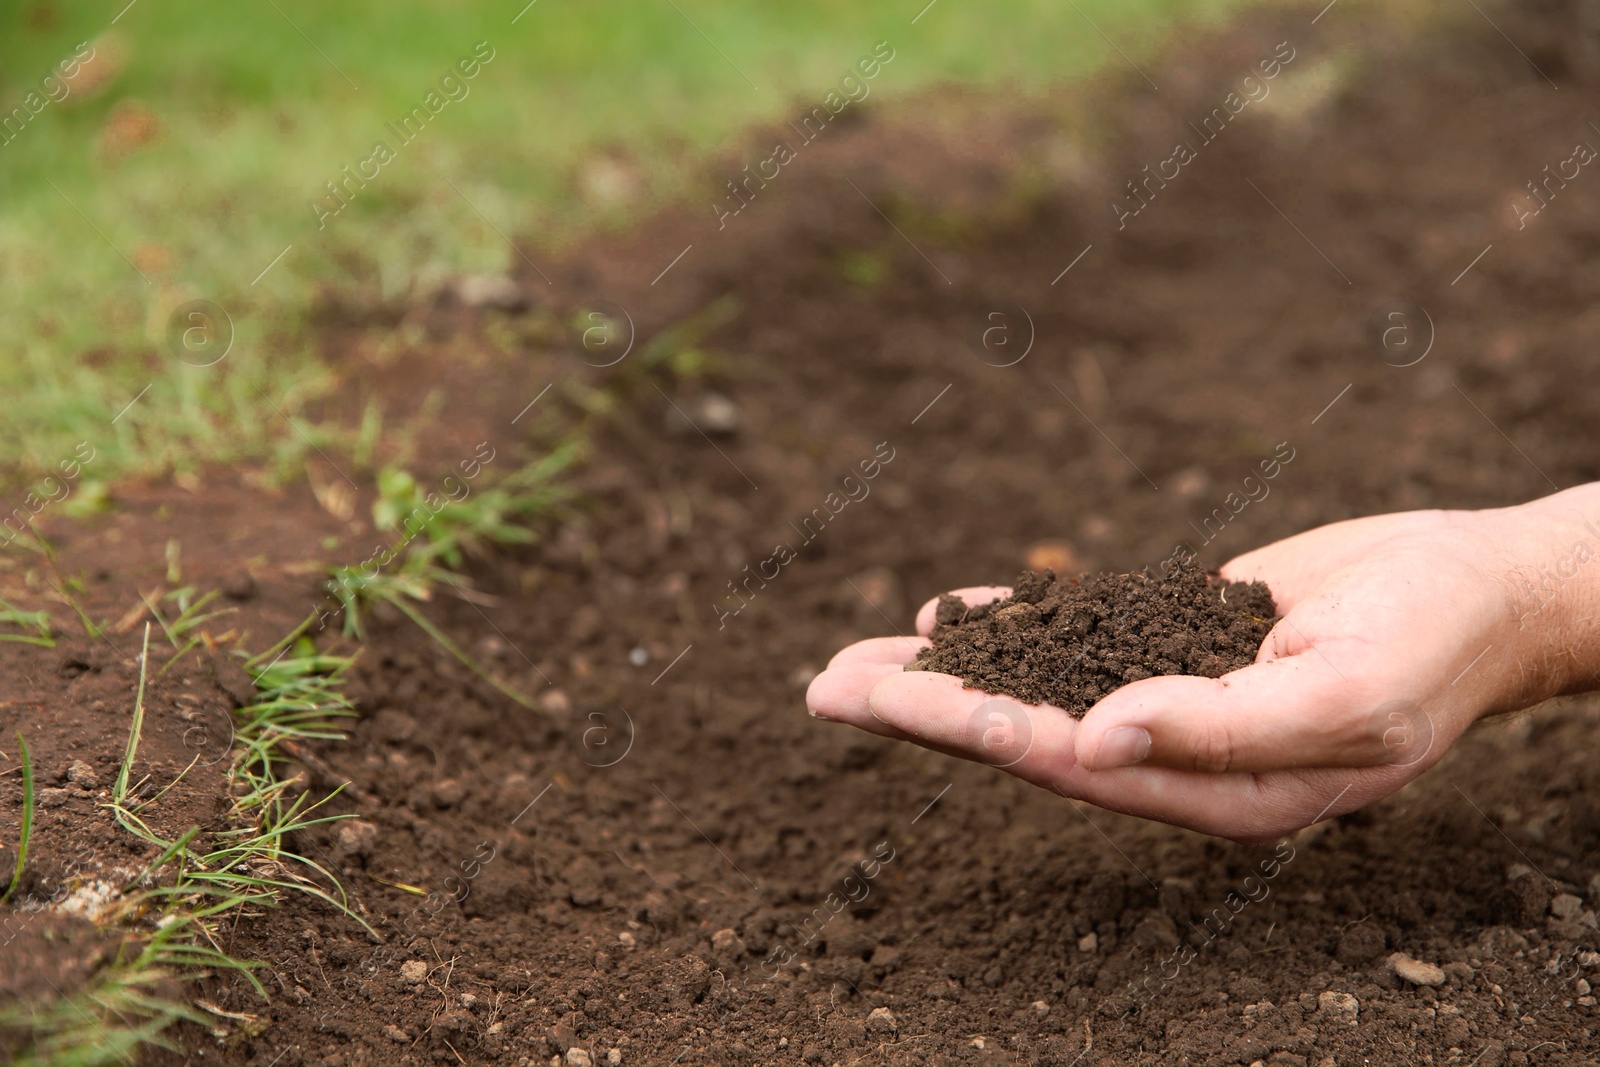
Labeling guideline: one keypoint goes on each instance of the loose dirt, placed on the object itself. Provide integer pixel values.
(1070, 642)
(670, 859)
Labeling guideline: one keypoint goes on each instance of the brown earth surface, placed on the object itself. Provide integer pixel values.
(670, 859)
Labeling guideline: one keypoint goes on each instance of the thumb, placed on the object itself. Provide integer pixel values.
(1296, 711)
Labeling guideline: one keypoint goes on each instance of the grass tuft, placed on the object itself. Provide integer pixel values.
(171, 913)
(25, 834)
(35, 623)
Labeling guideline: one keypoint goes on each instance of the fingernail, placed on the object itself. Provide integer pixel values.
(1122, 747)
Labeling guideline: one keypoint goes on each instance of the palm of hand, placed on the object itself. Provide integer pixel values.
(1393, 640)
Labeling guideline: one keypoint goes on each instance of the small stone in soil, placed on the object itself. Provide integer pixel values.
(1416, 971)
(413, 971)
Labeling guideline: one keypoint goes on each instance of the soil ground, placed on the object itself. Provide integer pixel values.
(670, 859)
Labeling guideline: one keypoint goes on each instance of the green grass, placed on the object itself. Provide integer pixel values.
(254, 118)
(25, 833)
(171, 912)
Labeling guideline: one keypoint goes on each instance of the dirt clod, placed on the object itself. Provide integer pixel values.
(1071, 642)
(1338, 1009)
(1566, 905)
(82, 775)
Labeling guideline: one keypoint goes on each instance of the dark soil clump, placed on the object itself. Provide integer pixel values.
(1069, 642)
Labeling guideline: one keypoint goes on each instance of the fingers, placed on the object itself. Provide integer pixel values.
(898, 650)
(1296, 711)
(1038, 743)
(973, 595)
(1031, 741)
(839, 694)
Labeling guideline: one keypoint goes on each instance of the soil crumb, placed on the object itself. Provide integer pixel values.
(1069, 642)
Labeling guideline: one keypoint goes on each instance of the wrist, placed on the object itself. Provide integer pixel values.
(1552, 546)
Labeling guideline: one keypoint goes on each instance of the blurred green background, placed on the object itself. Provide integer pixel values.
(186, 155)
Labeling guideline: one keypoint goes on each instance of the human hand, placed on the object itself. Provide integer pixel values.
(1397, 633)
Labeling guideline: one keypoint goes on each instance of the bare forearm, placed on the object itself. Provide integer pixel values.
(1553, 547)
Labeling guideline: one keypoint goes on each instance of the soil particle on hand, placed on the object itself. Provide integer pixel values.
(1070, 642)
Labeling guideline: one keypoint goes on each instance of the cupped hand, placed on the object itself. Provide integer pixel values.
(1396, 633)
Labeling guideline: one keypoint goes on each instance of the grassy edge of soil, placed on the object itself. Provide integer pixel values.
(170, 915)
(168, 922)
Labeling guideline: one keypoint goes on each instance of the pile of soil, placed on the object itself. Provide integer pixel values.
(1070, 642)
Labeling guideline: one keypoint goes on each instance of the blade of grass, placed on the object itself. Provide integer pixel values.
(119, 791)
(455, 650)
(26, 833)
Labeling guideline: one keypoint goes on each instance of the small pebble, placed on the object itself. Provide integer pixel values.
(448, 792)
(577, 1057)
(614, 1057)
(1416, 971)
(718, 414)
(1581, 987)
(882, 1021)
(413, 972)
(1041, 1008)
(395, 1034)
(639, 656)
(1088, 942)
